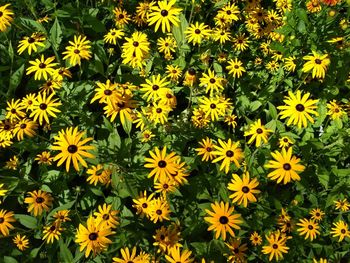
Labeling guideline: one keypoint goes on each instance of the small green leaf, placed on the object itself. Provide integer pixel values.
(27, 221)
(15, 80)
(9, 260)
(272, 110)
(65, 253)
(56, 34)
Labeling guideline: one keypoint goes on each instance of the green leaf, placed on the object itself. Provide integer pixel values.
(255, 105)
(32, 25)
(127, 126)
(11, 52)
(15, 80)
(27, 221)
(62, 207)
(56, 34)
(65, 253)
(9, 260)
(272, 110)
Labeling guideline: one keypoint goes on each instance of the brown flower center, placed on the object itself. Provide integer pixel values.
(229, 153)
(164, 12)
(259, 130)
(162, 164)
(245, 189)
(300, 107)
(287, 166)
(72, 148)
(93, 236)
(223, 220)
(39, 200)
(43, 106)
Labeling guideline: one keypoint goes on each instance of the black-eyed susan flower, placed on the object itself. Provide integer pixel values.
(3, 191)
(243, 189)
(104, 92)
(317, 214)
(15, 110)
(52, 232)
(166, 45)
(335, 110)
(341, 230)
(237, 250)
(206, 150)
(144, 8)
(164, 14)
(51, 86)
(6, 218)
(226, 153)
(176, 255)
(289, 63)
(121, 106)
(45, 106)
(173, 72)
(6, 17)
(159, 210)
(121, 17)
(44, 158)
(258, 132)
(235, 68)
(272, 66)
(62, 73)
(298, 108)
(255, 239)
(42, 68)
(25, 126)
(313, 6)
(284, 142)
(321, 260)
(22, 242)
(107, 215)
(286, 166)
(167, 98)
(240, 42)
(342, 205)
(212, 107)
(167, 238)
(222, 219)
(142, 203)
(72, 148)
(147, 135)
(317, 63)
(28, 101)
(113, 35)
(77, 50)
(135, 49)
(38, 201)
(165, 185)
(231, 120)
(31, 43)
(309, 228)
(128, 255)
(197, 32)
(93, 238)
(221, 34)
(161, 163)
(12, 163)
(211, 82)
(230, 12)
(276, 246)
(153, 87)
(61, 216)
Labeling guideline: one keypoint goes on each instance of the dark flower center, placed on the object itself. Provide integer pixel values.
(13, 111)
(52, 228)
(169, 96)
(197, 31)
(223, 220)
(275, 246)
(159, 110)
(76, 51)
(245, 189)
(1, 218)
(191, 71)
(155, 87)
(318, 61)
(159, 212)
(310, 227)
(43, 106)
(165, 186)
(135, 44)
(209, 149)
(72, 148)
(113, 33)
(144, 205)
(164, 12)
(30, 102)
(212, 80)
(31, 40)
(343, 231)
(259, 130)
(93, 236)
(121, 104)
(162, 164)
(300, 107)
(236, 67)
(42, 65)
(121, 16)
(228, 12)
(146, 136)
(6, 127)
(285, 140)
(240, 41)
(236, 250)
(162, 237)
(107, 92)
(105, 216)
(39, 200)
(229, 153)
(287, 166)
(23, 126)
(1, 13)
(212, 106)
(317, 214)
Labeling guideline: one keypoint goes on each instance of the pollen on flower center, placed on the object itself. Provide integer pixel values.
(72, 148)
(31, 40)
(52, 228)
(162, 164)
(159, 212)
(287, 166)
(164, 12)
(1, 13)
(300, 107)
(223, 220)
(107, 92)
(135, 44)
(93, 236)
(191, 71)
(158, 110)
(155, 87)
(343, 231)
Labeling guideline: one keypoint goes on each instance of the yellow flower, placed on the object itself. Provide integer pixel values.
(113, 35)
(309, 228)
(165, 15)
(228, 152)
(106, 215)
(206, 150)
(235, 68)
(25, 126)
(42, 67)
(21, 242)
(255, 238)
(43, 107)
(12, 163)
(340, 230)
(177, 256)
(159, 210)
(15, 110)
(276, 247)
(289, 63)
(6, 218)
(72, 148)
(298, 108)
(79, 49)
(335, 110)
(258, 132)
(222, 219)
(342, 205)
(286, 166)
(6, 17)
(52, 232)
(318, 63)
(121, 17)
(44, 158)
(38, 202)
(31, 43)
(211, 82)
(195, 33)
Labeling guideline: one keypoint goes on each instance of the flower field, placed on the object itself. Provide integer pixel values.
(174, 131)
